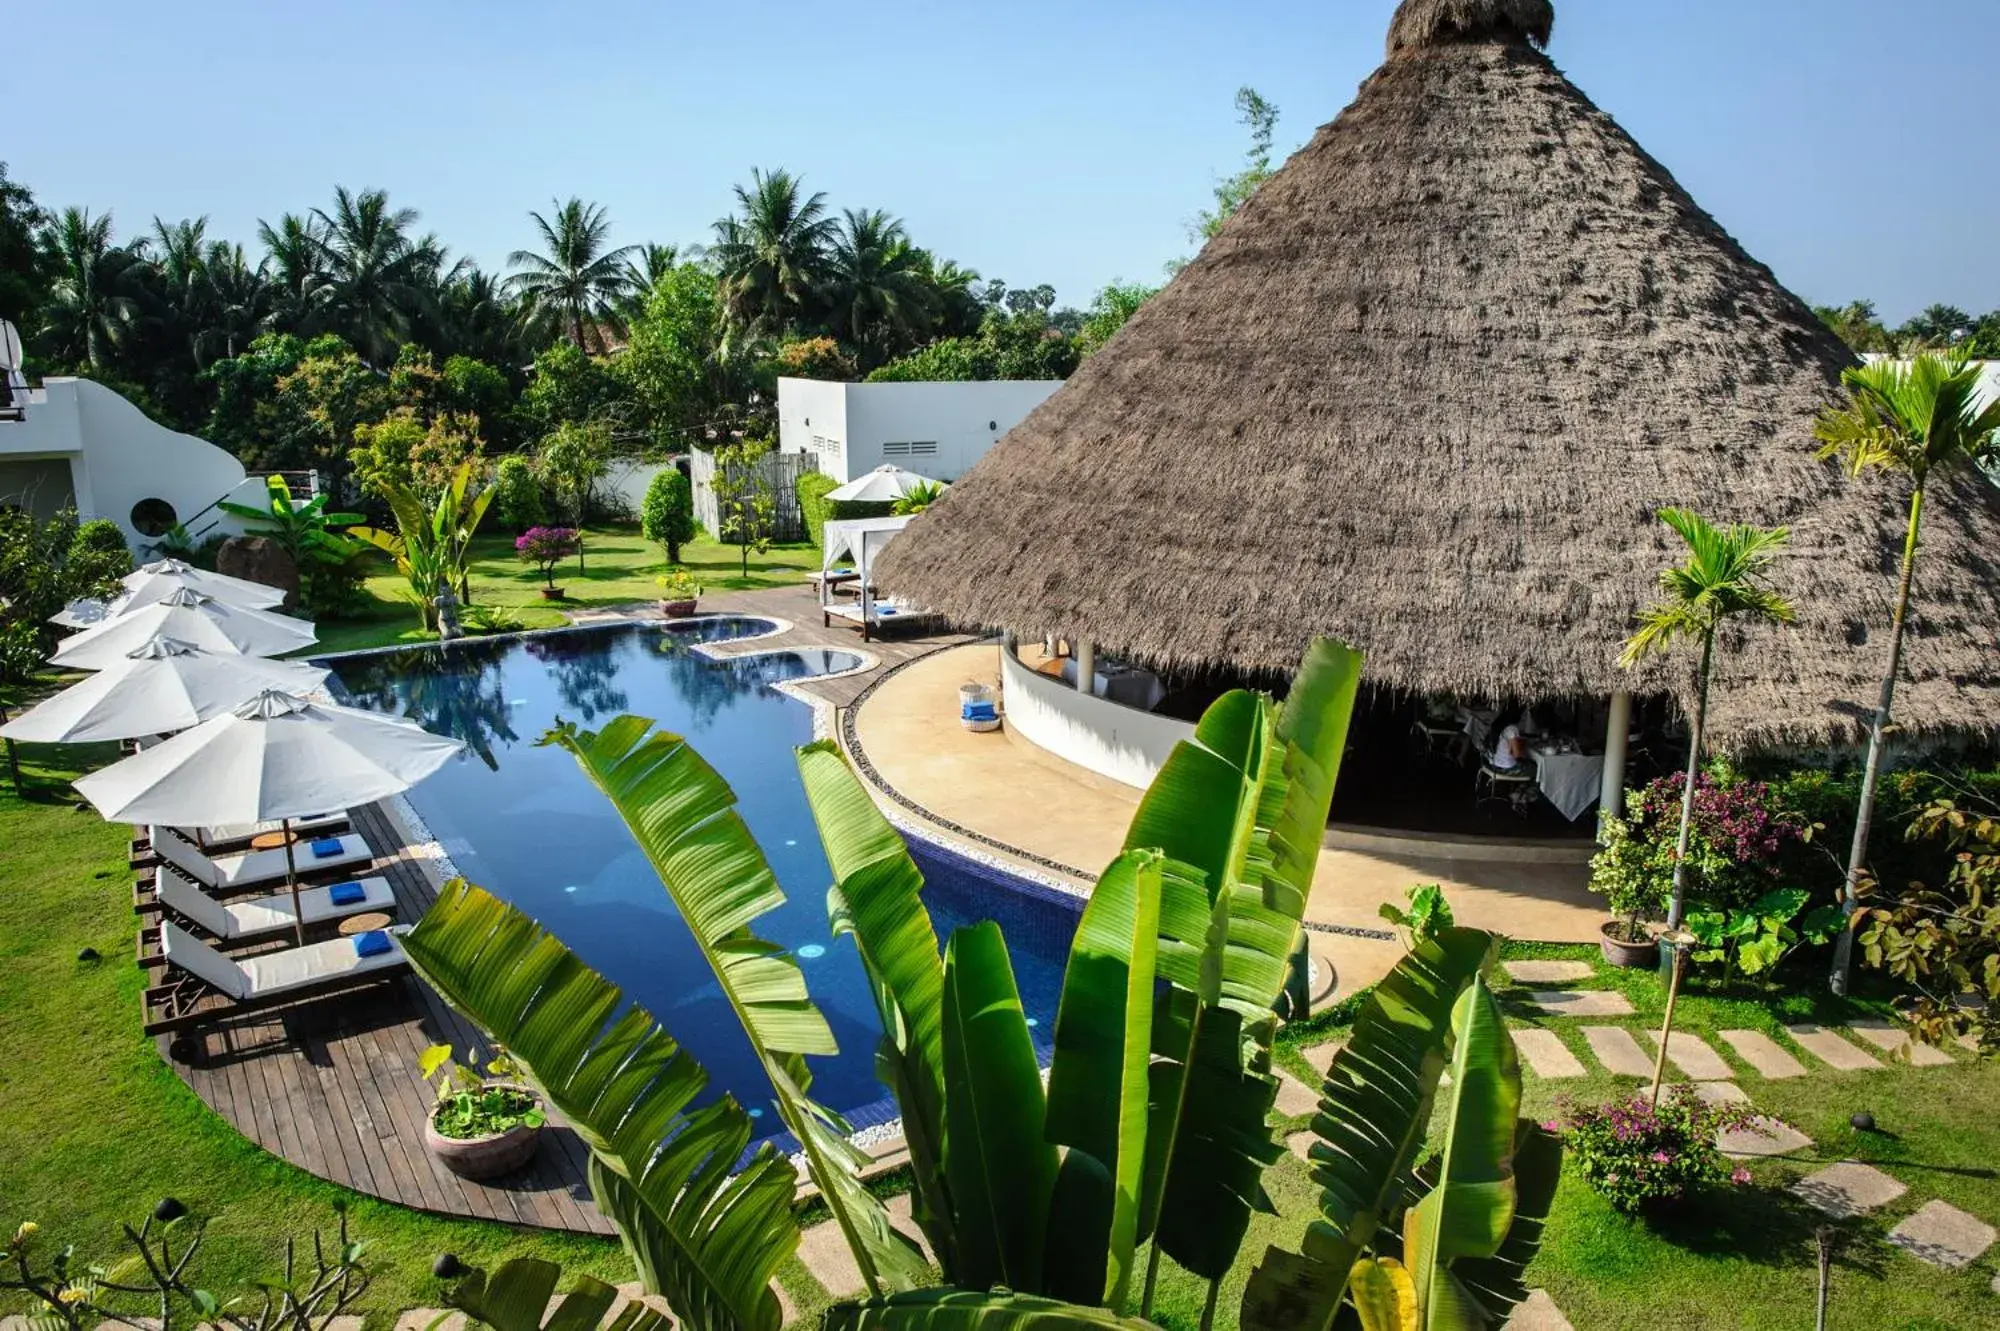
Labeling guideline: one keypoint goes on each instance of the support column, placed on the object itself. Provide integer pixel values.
(1086, 665)
(1617, 727)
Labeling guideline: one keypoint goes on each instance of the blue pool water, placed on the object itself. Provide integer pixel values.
(523, 822)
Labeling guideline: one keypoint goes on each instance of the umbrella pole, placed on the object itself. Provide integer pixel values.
(292, 881)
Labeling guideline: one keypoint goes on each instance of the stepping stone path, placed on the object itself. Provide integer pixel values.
(1848, 1189)
(1300, 1144)
(1830, 1049)
(1763, 1136)
(902, 1214)
(1693, 1057)
(1321, 1055)
(1618, 1051)
(419, 1319)
(1894, 1041)
(1548, 972)
(1943, 1235)
(1295, 1097)
(1582, 1002)
(824, 1250)
(1763, 1053)
(1721, 1093)
(1537, 1312)
(1545, 1053)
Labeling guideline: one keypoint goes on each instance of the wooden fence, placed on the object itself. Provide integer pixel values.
(780, 471)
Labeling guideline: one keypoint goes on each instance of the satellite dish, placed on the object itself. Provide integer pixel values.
(10, 346)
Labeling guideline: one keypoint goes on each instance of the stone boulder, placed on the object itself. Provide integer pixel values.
(260, 559)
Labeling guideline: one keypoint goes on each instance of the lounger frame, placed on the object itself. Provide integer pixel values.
(178, 1003)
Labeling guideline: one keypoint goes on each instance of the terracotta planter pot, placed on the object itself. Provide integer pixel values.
(552, 593)
(1618, 952)
(677, 609)
(483, 1157)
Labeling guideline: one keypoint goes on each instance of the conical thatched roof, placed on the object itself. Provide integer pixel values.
(1427, 391)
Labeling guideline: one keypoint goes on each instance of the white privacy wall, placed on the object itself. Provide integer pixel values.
(1112, 740)
(935, 429)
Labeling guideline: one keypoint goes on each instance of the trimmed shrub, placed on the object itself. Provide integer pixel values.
(98, 558)
(814, 506)
(667, 515)
(518, 494)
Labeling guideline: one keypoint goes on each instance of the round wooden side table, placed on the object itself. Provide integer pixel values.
(367, 922)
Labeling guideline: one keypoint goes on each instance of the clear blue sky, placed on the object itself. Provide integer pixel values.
(1843, 141)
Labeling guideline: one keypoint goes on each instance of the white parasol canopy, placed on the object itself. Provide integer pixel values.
(161, 686)
(85, 611)
(887, 482)
(190, 617)
(236, 591)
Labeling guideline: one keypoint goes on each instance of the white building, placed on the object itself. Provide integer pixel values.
(74, 443)
(935, 429)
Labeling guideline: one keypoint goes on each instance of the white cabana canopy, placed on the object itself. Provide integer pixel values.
(858, 543)
(887, 482)
(189, 617)
(161, 686)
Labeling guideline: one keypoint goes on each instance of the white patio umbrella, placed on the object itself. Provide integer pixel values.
(885, 483)
(180, 573)
(85, 611)
(161, 686)
(191, 617)
(275, 757)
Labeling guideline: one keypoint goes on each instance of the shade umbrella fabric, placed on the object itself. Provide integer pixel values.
(161, 686)
(86, 611)
(156, 587)
(178, 572)
(273, 758)
(880, 486)
(191, 617)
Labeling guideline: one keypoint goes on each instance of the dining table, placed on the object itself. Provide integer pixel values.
(1569, 779)
(1128, 686)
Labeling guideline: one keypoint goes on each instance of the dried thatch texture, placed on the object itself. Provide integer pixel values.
(1426, 392)
(1420, 23)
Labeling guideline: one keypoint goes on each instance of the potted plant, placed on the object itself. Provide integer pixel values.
(481, 1126)
(1646, 1158)
(678, 593)
(545, 547)
(1634, 871)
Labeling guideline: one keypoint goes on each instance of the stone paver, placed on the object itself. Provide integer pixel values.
(1848, 1189)
(420, 1319)
(1537, 1312)
(824, 1250)
(1618, 1051)
(1763, 1136)
(1721, 1093)
(1830, 1049)
(1548, 972)
(1943, 1235)
(1545, 1053)
(1692, 1056)
(1582, 1002)
(1300, 1144)
(902, 1215)
(1763, 1053)
(1321, 1055)
(1295, 1097)
(1895, 1041)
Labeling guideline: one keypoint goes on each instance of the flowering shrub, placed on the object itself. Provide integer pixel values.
(1642, 1158)
(545, 547)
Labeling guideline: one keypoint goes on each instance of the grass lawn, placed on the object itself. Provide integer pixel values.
(619, 566)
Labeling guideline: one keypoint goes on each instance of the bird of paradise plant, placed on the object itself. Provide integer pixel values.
(432, 546)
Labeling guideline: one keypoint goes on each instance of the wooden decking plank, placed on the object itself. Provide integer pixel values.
(347, 1159)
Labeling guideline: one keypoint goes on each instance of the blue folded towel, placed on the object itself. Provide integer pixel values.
(977, 711)
(885, 609)
(372, 944)
(347, 894)
(326, 847)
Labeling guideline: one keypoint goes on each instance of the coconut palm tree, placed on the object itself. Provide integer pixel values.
(1911, 417)
(92, 303)
(772, 254)
(375, 276)
(576, 277)
(292, 254)
(239, 300)
(1723, 578)
(877, 289)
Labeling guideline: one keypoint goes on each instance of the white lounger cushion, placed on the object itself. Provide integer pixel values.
(263, 915)
(305, 826)
(276, 972)
(254, 866)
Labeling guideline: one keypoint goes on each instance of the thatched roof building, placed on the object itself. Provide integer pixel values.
(1427, 391)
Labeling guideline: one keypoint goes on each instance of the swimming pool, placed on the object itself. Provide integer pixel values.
(524, 822)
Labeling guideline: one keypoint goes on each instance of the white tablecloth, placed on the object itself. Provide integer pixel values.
(1572, 781)
(1127, 686)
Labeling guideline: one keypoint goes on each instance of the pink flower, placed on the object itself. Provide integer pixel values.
(1662, 1158)
(1551, 1126)
(1739, 1175)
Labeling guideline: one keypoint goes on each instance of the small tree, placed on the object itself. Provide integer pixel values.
(545, 547)
(573, 459)
(743, 495)
(667, 515)
(518, 493)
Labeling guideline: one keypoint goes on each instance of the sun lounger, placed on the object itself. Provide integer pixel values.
(874, 615)
(244, 921)
(233, 838)
(258, 868)
(202, 985)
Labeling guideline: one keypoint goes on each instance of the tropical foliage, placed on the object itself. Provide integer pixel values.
(667, 513)
(433, 543)
(577, 280)
(327, 558)
(1944, 940)
(44, 565)
(1646, 1157)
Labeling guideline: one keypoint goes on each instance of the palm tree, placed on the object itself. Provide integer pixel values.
(876, 286)
(375, 277)
(178, 258)
(1723, 579)
(476, 318)
(772, 254)
(576, 278)
(293, 250)
(239, 299)
(1911, 417)
(91, 305)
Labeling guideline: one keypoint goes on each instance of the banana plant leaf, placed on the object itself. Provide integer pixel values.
(946, 1309)
(515, 1297)
(1498, 1282)
(1098, 1084)
(682, 814)
(1375, 1111)
(875, 900)
(707, 1241)
(1001, 1168)
(1385, 1298)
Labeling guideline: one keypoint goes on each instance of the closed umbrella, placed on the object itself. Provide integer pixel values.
(180, 573)
(883, 485)
(161, 686)
(275, 757)
(190, 617)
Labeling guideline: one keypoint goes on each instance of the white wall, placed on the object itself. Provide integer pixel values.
(627, 478)
(1120, 742)
(945, 427)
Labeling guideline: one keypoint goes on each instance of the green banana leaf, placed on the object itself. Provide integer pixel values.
(1001, 1169)
(1471, 1209)
(1375, 1111)
(875, 900)
(946, 1309)
(1098, 1084)
(1497, 1282)
(705, 1240)
(515, 1297)
(682, 814)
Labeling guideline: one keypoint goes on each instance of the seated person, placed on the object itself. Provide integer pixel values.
(1510, 750)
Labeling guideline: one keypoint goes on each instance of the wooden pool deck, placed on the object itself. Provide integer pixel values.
(331, 1086)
